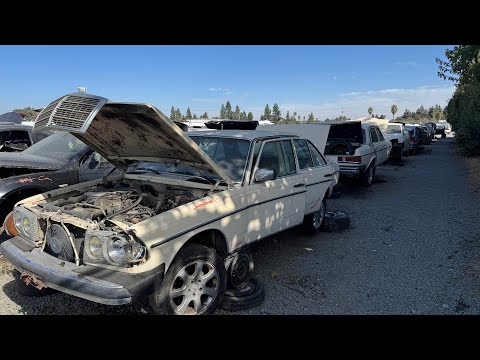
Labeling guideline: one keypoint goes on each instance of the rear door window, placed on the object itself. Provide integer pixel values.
(373, 135)
(303, 154)
(379, 134)
(316, 156)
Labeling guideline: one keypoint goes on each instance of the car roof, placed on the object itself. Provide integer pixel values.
(241, 134)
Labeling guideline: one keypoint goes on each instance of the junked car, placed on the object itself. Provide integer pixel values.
(398, 135)
(173, 227)
(414, 145)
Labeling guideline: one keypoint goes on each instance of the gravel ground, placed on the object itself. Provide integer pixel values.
(413, 248)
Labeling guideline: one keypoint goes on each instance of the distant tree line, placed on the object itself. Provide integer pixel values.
(227, 113)
(28, 113)
(432, 114)
(176, 115)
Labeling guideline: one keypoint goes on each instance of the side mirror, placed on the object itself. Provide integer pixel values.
(94, 161)
(262, 175)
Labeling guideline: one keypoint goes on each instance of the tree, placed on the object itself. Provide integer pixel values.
(205, 115)
(394, 110)
(178, 115)
(223, 112)
(244, 116)
(172, 113)
(188, 116)
(311, 118)
(250, 116)
(267, 113)
(237, 114)
(228, 110)
(370, 111)
(183, 118)
(287, 117)
(194, 116)
(300, 118)
(276, 114)
(28, 113)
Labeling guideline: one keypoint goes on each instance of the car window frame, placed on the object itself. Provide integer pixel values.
(255, 166)
(323, 158)
(370, 129)
(296, 155)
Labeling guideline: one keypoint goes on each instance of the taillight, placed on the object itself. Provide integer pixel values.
(412, 139)
(355, 159)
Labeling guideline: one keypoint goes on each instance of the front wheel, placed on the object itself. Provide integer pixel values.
(193, 285)
(312, 223)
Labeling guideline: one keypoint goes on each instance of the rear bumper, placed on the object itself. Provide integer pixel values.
(351, 169)
(87, 282)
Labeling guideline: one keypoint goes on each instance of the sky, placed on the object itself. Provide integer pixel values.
(320, 79)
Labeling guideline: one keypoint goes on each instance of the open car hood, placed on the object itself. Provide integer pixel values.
(125, 133)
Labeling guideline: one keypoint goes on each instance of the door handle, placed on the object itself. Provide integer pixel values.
(327, 175)
(298, 185)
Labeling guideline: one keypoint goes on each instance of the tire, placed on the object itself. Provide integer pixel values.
(336, 221)
(444, 136)
(251, 296)
(366, 178)
(340, 148)
(29, 290)
(190, 265)
(312, 223)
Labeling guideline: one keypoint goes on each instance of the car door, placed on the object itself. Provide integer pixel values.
(93, 167)
(382, 145)
(315, 171)
(374, 144)
(278, 204)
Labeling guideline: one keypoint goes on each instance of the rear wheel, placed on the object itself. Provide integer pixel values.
(313, 222)
(367, 177)
(193, 285)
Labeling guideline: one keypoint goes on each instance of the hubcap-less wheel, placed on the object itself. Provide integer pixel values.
(318, 216)
(195, 288)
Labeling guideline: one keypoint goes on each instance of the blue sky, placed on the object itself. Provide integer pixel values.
(318, 79)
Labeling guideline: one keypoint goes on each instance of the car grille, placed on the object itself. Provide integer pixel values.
(70, 112)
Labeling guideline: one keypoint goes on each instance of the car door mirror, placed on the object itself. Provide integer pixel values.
(262, 175)
(94, 161)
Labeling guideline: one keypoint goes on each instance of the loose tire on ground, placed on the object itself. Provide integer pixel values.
(313, 222)
(335, 221)
(249, 297)
(194, 284)
(29, 290)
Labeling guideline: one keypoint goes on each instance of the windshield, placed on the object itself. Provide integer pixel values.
(392, 129)
(229, 154)
(61, 146)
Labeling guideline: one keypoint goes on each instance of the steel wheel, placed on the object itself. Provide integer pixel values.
(194, 288)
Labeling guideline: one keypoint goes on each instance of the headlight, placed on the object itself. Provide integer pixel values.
(25, 222)
(117, 250)
(26, 225)
(94, 247)
(112, 248)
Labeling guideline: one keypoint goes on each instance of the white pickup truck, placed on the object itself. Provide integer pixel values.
(357, 147)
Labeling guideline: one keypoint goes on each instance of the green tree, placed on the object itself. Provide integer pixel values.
(311, 118)
(228, 110)
(267, 113)
(178, 115)
(394, 110)
(28, 113)
(172, 113)
(370, 111)
(462, 66)
(194, 116)
(205, 115)
(244, 116)
(250, 116)
(223, 112)
(188, 116)
(237, 114)
(287, 117)
(276, 114)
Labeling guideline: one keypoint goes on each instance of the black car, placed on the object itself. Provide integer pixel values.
(57, 160)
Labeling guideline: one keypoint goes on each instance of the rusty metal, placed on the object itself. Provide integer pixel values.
(32, 280)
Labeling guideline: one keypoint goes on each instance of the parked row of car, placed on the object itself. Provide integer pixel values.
(122, 203)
